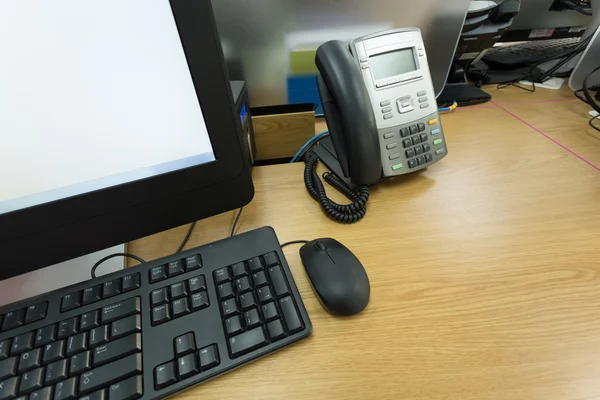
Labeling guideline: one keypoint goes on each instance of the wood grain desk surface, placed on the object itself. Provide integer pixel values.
(484, 268)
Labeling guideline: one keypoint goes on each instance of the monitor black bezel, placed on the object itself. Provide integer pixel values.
(46, 234)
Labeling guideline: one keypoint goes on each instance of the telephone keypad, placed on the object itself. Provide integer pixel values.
(418, 150)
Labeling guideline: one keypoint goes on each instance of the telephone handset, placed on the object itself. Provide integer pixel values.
(380, 105)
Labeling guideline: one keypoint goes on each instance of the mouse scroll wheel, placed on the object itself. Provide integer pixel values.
(321, 246)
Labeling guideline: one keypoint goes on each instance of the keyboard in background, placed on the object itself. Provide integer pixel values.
(528, 53)
(154, 329)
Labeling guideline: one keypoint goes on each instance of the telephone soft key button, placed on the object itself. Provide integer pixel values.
(384, 103)
(388, 135)
(421, 93)
(388, 116)
(425, 105)
(439, 151)
(394, 156)
(392, 146)
(386, 110)
(422, 99)
(435, 131)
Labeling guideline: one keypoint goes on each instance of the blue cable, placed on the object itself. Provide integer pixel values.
(308, 143)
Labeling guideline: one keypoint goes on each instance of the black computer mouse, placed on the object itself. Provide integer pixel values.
(338, 278)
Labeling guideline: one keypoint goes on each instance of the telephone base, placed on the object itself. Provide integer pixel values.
(326, 153)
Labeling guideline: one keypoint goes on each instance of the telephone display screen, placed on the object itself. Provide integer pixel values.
(393, 63)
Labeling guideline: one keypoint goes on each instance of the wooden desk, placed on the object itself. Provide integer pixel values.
(484, 269)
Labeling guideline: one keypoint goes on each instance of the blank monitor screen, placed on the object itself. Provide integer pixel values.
(93, 94)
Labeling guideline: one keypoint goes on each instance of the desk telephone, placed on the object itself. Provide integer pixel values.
(381, 111)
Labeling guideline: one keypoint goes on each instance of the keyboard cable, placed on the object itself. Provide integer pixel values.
(128, 255)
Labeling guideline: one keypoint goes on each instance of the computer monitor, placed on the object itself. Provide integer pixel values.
(116, 122)
(546, 19)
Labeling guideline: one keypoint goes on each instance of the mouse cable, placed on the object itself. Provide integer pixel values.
(343, 213)
(293, 242)
(129, 255)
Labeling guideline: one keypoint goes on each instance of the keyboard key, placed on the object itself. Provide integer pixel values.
(31, 380)
(128, 389)
(290, 315)
(259, 279)
(247, 301)
(222, 275)
(247, 341)
(54, 352)
(120, 310)
(45, 335)
(197, 283)
(8, 368)
(42, 394)
(36, 312)
(76, 344)
(193, 262)
(209, 357)
(56, 372)
(8, 388)
(187, 366)
(175, 268)
(126, 326)
(80, 363)
(66, 390)
(158, 273)
(178, 290)
(278, 280)
(117, 349)
(164, 375)
(99, 335)
(271, 259)
(21, 343)
(255, 264)
(71, 301)
(185, 344)
(29, 360)
(159, 296)
(131, 282)
(161, 314)
(105, 375)
(97, 395)
(264, 294)
(92, 294)
(68, 328)
(229, 308)
(275, 330)
(239, 270)
(269, 311)
(13, 319)
(233, 325)
(199, 301)
(180, 307)
(242, 284)
(4, 348)
(89, 320)
(225, 291)
(251, 318)
(111, 288)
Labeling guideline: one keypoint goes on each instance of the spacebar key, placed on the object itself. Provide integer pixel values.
(247, 341)
(110, 373)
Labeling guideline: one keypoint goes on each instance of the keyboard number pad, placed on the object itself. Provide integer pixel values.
(256, 304)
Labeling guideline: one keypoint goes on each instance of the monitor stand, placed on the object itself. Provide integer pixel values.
(59, 275)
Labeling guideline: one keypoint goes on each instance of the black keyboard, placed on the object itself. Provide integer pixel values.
(528, 53)
(154, 329)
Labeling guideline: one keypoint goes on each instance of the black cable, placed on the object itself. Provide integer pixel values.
(186, 238)
(113, 256)
(344, 213)
(591, 123)
(294, 242)
(586, 92)
(236, 221)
